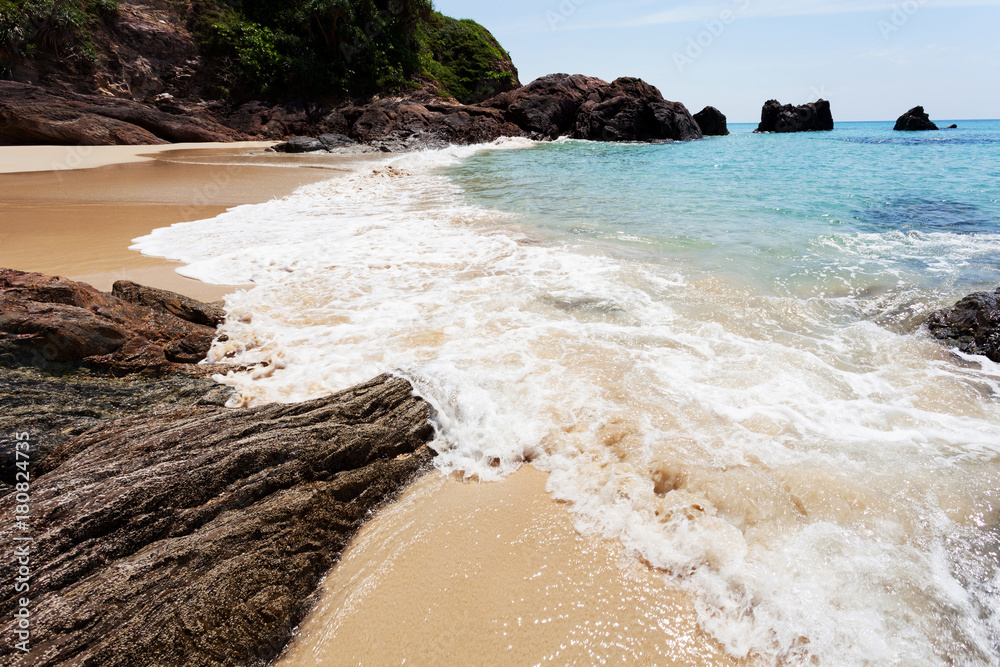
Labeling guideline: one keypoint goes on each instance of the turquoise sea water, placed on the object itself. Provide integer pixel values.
(713, 348)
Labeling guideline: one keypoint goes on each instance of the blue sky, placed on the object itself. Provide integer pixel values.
(872, 60)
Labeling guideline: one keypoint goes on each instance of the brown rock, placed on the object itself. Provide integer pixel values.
(197, 536)
(33, 115)
(914, 120)
(46, 319)
(712, 122)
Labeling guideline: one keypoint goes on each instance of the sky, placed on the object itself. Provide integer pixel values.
(872, 60)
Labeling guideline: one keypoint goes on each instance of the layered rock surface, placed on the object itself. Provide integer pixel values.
(972, 325)
(197, 535)
(813, 117)
(51, 320)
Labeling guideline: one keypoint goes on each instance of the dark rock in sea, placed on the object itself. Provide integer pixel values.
(198, 535)
(953, 126)
(914, 120)
(712, 122)
(33, 115)
(584, 107)
(972, 325)
(48, 321)
(812, 117)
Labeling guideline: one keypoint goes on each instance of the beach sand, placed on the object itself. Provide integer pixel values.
(490, 573)
(79, 223)
(494, 574)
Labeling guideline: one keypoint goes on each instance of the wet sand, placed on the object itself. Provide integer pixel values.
(494, 574)
(79, 223)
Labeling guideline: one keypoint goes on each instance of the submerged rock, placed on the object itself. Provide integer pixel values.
(915, 120)
(972, 325)
(712, 122)
(813, 117)
(47, 320)
(197, 535)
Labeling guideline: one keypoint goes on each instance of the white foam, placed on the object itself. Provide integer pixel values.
(816, 481)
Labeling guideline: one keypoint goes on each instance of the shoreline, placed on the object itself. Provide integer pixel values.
(79, 223)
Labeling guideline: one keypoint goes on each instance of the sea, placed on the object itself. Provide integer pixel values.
(714, 349)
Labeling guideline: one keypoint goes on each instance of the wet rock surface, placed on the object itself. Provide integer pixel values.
(712, 122)
(972, 325)
(780, 118)
(53, 321)
(915, 120)
(197, 535)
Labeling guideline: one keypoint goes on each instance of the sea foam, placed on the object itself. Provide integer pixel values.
(823, 485)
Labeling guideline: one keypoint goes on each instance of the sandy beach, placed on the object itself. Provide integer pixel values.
(79, 222)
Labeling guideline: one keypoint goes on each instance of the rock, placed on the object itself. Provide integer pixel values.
(198, 535)
(49, 320)
(812, 117)
(33, 115)
(303, 145)
(712, 122)
(585, 107)
(56, 406)
(914, 120)
(331, 141)
(972, 325)
(953, 126)
(186, 308)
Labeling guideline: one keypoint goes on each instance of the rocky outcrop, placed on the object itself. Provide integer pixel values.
(33, 115)
(813, 117)
(583, 107)
(972, 325)
(712, 122)
(914, 120)
(198, 535)
(48, 320)
(550, 107)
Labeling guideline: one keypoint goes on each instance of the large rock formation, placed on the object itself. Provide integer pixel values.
(972, 325)
(712, 122)
(583, 107)
(914, 120)
(812, 117)
(52, 320)
(33, 115)
(197, 536)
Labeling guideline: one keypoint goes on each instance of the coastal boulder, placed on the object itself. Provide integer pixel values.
(712, 122)
(914, 120)
(198, 535)
(972, 325)
(51, 320)
(584, 107)
(813, 117)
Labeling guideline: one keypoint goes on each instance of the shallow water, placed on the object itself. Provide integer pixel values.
(712, 347)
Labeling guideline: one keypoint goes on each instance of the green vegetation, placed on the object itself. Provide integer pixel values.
(464, 58)
(62, 28)
(294, 48)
